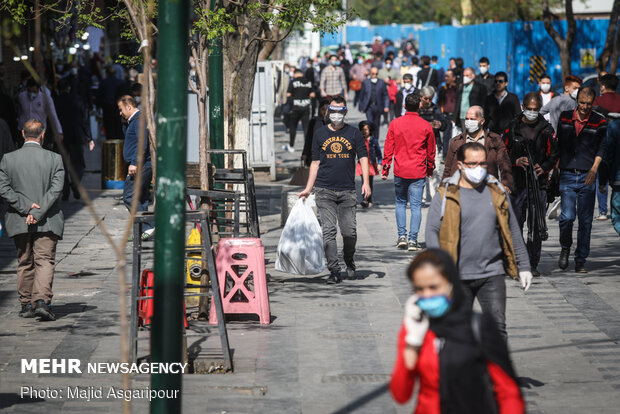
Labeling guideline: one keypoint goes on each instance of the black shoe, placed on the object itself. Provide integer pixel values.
(76, 195)
(65, 197)
(535, 272)
(364, 204)
(563, 261)
(580, 268)
(27, 311)
(333, 279)
(44, 311)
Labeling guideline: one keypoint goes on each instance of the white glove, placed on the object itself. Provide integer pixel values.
(416, 323)
(526, 279)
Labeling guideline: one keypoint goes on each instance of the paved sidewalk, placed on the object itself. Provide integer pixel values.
(330, 348)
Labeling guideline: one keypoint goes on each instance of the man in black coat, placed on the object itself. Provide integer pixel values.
(468, 94)
(76, 133)
(501, 106)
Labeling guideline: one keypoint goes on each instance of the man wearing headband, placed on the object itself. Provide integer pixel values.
(332, 174)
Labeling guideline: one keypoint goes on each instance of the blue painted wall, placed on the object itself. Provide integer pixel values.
(508, 46)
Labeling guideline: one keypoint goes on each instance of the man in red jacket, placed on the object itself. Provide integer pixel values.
(411, 141)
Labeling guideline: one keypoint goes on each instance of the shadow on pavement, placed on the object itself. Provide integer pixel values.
(8, 399)
(69, 308)
(363, 400)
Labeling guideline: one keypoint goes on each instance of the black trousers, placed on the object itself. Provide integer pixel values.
(294, 118)
(76, 156)
(521, 209)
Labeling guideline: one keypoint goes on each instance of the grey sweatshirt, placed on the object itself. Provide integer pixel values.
(480, 246)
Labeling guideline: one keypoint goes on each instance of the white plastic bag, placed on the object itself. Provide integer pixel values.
(300, 250)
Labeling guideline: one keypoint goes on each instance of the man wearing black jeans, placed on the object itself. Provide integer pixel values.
(581, 142)
(471, 218)
(300, 91)
(334, 149)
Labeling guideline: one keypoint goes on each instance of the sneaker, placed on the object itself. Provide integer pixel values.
(601, 217)
(27, 311)
(291, 149)
(285, 147)
(333, 278)
(147, 234)
(413, 246)
(44, 311)
(402, 242)
(351, 274)
(535, 272)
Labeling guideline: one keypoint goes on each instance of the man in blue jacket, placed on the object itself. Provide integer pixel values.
(374, 99)
(128, 109)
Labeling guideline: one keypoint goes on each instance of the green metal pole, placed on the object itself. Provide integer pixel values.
(216, 97)
(167, 324)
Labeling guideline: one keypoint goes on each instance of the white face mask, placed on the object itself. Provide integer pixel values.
(483, 69)
(467, 80)
(472, 126)
(530, 115)
(574, 93)
(388, 65)
(336, 119)
(407, 86)
(545, 87)
(475, 175)
(373, 80)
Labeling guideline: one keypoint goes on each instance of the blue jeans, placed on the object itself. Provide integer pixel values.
(602, 199)
(615, 207)
(410, 189)
(577, 201)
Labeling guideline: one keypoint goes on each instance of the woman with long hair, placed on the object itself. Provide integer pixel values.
(457, 356)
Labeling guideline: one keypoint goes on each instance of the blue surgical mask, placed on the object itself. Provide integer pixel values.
(435, 306)
(435, 66)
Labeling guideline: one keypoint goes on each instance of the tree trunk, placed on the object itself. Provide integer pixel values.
(610, 43)
(240, 57)
(563, 43)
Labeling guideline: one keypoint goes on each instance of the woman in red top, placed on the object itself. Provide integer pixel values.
(458, 357)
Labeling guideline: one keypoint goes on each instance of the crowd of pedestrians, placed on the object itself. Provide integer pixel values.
(493, 164)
